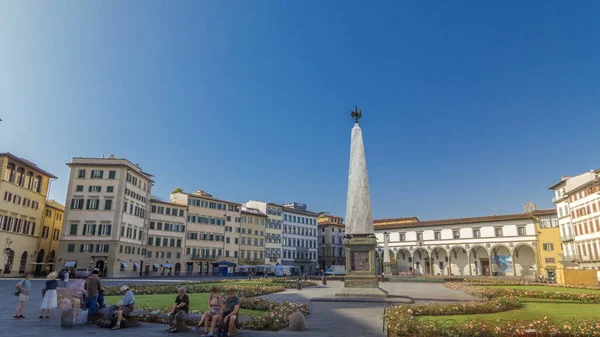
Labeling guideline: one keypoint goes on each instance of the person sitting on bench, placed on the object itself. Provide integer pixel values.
(213, 315)
(180, 308)
(232, 306)
(127, 308)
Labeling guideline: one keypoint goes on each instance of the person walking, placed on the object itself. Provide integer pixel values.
(50, 300)
(93, 285)
(66, 278)
(23, 291)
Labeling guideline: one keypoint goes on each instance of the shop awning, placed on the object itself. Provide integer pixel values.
(123, 264)
(70, 264)
(224, 264)
(137, 265)
(167, 265)
(156, 265)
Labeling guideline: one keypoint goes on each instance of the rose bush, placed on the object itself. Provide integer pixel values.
(403, 320)
(243, 290)
(487, 293)
(277, 316)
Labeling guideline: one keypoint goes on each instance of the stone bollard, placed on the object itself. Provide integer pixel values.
(324, 280)
(297, 322)
(298, 284)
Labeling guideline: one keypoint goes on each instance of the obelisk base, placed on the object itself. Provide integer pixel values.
(361, 273)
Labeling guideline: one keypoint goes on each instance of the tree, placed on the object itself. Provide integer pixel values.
(177, 190)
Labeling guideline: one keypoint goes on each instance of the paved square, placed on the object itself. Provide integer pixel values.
(328, 319)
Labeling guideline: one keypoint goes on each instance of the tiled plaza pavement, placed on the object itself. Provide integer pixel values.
(328, 319)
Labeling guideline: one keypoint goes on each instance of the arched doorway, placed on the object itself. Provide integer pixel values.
(480, 261)
(51, 261)
(177, 268)
(404, 261)
(9, 259)
(40, 263)
(439, 259)
(100, 266)
(502, 261)
(23, 263)
(422, 264)
(524, 261)
(458, 261)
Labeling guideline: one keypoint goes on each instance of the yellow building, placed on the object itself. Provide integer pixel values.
(549, 245)
(45, 262)
(23, 192)
(252, 236)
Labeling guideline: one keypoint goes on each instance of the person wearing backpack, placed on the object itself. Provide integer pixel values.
(23, 290)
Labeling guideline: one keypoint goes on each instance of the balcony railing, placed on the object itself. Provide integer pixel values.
(567, 237)
(571, 258)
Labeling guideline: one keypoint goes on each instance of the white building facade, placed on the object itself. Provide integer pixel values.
(300, 238)
(212, 235)
(503, 245)
(577, 201)
(166, 238)
(274, 226)
(106, 217)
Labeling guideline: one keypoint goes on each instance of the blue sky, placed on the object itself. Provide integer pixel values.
(470, 108)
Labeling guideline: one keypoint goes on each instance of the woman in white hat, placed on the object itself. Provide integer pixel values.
(50, 300)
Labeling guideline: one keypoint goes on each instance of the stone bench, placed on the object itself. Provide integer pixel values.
(131, 318)
(182, 324)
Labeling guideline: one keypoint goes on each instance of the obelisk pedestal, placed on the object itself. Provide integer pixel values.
(361, 270)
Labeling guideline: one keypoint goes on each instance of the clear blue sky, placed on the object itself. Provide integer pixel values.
(470, 108)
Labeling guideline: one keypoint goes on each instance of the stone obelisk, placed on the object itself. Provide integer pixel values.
(360, 242)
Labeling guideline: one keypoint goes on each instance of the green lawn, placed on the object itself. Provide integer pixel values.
(544, 288)
(534, 309)
(164, 302)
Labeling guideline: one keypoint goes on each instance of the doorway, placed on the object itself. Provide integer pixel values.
(485, 267)
(100, 266)
(39, 265)
(10, 258)
(189, 268)
(177, 268)
(23, 263)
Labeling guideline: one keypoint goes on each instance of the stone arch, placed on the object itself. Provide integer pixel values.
(421, 261)
(501, 261)
(480, 261)
(458, 261)
(439, 260)
(404, 260)
(524, 260)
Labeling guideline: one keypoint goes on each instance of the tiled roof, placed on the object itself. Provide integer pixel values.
(167, 202)
(27, 163)
(458, 221)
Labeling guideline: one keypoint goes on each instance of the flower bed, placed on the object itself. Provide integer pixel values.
(491, 282)
(539, 328)
(288, 283)
(277, 316)
(242, 290)
(490, 293)
(402, 320)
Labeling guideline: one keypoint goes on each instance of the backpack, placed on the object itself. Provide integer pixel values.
(18, 291)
